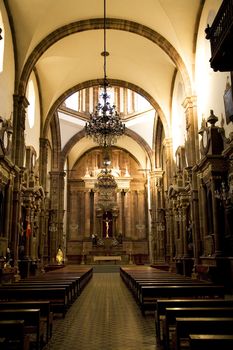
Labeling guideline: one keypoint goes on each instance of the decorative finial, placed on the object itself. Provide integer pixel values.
(203, 122)
(212, 118)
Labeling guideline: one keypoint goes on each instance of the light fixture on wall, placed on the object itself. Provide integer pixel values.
(105, 124)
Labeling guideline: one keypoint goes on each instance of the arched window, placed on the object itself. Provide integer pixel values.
(31, 108)
(2, 42)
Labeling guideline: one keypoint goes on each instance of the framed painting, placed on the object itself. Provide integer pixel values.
(228, 103)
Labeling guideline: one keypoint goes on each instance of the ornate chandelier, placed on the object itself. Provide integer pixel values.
(105, 124)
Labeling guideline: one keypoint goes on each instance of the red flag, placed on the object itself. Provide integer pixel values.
(28, 230)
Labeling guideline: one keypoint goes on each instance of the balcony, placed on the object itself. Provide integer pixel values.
(220, 35)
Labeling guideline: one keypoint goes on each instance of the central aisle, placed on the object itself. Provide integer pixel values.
(104, 317)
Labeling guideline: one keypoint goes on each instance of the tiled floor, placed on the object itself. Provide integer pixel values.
(104, 317)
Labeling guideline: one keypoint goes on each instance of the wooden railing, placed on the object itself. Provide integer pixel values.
(220, 29)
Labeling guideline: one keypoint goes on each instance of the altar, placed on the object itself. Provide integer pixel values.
(100, 258)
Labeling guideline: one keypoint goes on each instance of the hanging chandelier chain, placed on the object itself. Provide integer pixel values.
(105, 124)
(105, 45)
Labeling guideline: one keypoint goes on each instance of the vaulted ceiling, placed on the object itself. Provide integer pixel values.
(148, 41)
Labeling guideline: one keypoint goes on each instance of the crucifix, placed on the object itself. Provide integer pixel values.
(107, 222)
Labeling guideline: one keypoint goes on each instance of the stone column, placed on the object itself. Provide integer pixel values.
(95, 96)
(168, 174)
(199, 214)
(82, 100)
(117, 98)
(18, 141)
(217, 238)
(57, 201)
(87, 100)
(127, 215)
(61, 209)
(125, 101)
(14, 194)
(10, 230)
(157, 207)
(44, 145)
(133, 101)
(43, 225)
(175, 225)
(87, 214)
(92, 212)
(192, 144)
(115, 213)
(184, 205)
(153, 203)
(80, 204)
(170, 233)
(134, 213)
(119, 219)
(180, 234)
(195, 208)
(72, 215)
(28, 204)
(99, 226)
(142, 210)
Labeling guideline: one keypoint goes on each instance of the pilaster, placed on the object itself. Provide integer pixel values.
(19, 115)
(192, 143)
(44, 146)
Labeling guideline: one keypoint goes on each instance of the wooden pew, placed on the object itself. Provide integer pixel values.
(74, 281)
(73, 284)
(82, 274)
(28, 284)
(135, 284)
(211, 341)
(12, 332)
(162, 304)
(167, 282)
(80, 278)
(45, 311)
(201, 325)
(56, 296)
(173, 313)
(31, 318)
(149, 294)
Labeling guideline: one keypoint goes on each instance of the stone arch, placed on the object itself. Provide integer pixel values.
(98, 23)
(56, 142)
(113, 82)
(77, 137)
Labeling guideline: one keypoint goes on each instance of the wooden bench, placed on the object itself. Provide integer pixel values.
(74, 282)
(56, 296)
(81, 277)
(173, 313)
(31, 318)
(211, 341)
(201, 325)
(162, 304)
(46, 284)
(135, 284)
(149, 294)
(13, 335)
(45, 312)
(168, 282)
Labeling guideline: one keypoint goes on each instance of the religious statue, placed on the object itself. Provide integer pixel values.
(59, 256)
(107, 222)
